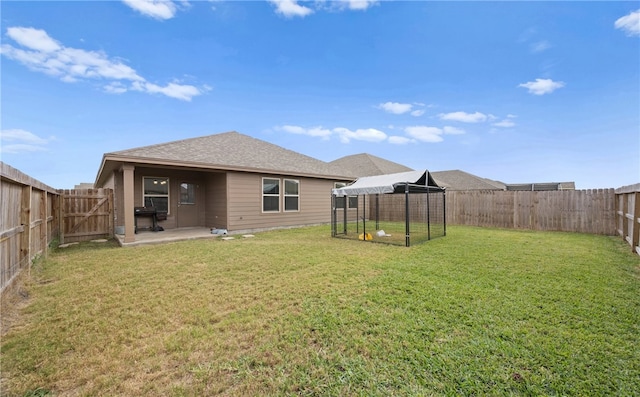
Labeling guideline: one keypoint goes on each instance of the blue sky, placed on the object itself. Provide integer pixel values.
(512, 91)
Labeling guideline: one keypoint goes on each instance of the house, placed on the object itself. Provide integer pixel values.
(460, 180)
(225, 181)
(541, 186)
(364, 164)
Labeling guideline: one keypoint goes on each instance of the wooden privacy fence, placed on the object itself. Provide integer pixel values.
(87, 214)
(628, 215)
(34, 215)
(29, 221)
(583, 211)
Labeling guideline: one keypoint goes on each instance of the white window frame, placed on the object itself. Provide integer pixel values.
(285, 195)
(346, 198)
(168, 195)
(263, 195)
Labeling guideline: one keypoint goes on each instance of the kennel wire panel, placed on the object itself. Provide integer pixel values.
(383, 217)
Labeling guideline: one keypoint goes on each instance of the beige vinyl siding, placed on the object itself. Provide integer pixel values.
(216, 203)
(354, 214)
(245, 202)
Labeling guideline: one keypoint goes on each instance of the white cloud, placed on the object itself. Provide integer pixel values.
(315, 131)
(292, 129)
(542, 86)
(453, 130)
(506, 123)
(366, 134)
(345, 135)
(115, 88)
(425, 133)
(400, 140)
(158, 9)
(540, 46)
(21, 148)
(395, 107)
(46, 55)
(464, 117)
(34, 39)
(291, 8)
(402, 108)
(172, 90)
(359, 4)
(22, 135)
(22, 141)
(629, 23)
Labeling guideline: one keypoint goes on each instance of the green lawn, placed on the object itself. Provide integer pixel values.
(296, 312)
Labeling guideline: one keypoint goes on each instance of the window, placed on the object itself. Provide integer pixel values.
(353, 200)
(339, 200)
(291, 195)
(187, 193)
(156, 193)
(270, 195)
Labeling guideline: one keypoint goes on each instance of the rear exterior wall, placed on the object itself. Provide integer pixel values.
(245, 202)
(216, 202)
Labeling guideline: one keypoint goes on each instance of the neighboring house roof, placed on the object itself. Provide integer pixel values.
(364, 164)
(460, 180)
(225, 151)
(541, 186)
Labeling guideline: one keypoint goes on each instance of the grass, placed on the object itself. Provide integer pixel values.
(295, 312)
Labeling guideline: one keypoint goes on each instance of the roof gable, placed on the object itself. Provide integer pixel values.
(460, 180)
(231, 150)
(365, 164)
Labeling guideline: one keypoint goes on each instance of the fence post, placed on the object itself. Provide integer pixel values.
(635, 220)
(407, 241)
(428, 216)
(444, 210)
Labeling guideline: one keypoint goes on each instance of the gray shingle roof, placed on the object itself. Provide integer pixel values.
(460, 180)
(544, 186)
(365, 164)
(232, 150)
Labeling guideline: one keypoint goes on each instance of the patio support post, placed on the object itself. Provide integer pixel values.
(407, 241)
(129, 211)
